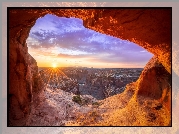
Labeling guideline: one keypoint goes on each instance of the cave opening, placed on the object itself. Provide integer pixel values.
(150, 95)
(82, 61)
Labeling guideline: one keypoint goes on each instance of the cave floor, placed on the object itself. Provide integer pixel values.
(54, 107)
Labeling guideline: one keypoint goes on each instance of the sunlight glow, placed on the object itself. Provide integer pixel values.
(76, 45)
(54, 65)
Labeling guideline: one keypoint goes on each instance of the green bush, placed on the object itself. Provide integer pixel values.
(77, 99)
(96, 104)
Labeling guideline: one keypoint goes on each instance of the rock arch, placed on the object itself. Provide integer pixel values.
(149, 28)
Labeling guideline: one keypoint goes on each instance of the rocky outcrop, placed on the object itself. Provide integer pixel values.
(37, 82)
(24, 82)
(149, 28)
(155, 83)
(20, 86)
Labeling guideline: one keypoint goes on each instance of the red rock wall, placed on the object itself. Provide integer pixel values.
(149, 28)
(22, 69)
(155, 82)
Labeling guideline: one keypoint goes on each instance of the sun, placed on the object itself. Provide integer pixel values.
(54, 65)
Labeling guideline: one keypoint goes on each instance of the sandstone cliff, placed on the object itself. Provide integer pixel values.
(24, 82)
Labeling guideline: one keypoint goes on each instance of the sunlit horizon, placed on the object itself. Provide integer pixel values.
(64, 42)
(55, 65)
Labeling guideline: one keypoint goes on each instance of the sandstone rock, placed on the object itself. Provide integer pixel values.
(155, 82)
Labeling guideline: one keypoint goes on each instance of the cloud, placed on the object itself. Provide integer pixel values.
(73, 56)
(143, 51)
(68, 38)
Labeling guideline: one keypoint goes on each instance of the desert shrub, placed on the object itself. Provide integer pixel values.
(77, 99)
(96, 104)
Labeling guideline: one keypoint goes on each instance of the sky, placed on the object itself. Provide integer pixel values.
(65, 42)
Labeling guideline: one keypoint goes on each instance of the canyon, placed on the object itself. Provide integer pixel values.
(146, 102)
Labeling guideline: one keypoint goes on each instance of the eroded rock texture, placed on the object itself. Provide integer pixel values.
(155, 82)
(149, 28)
